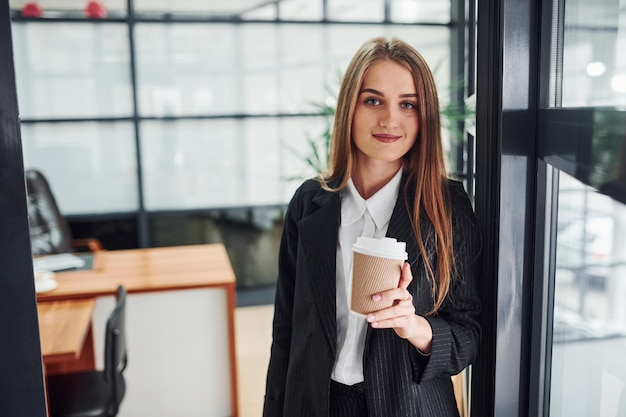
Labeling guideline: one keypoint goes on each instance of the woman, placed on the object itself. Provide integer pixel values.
(386, 177)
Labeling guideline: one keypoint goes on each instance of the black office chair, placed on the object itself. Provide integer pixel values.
(49, 231)
(96, 393)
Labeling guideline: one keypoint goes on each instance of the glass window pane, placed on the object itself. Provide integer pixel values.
(414, 11)
(431, 42)
(301, 67)
(241, 9)
(589, 332)
(303, 141)
(224, 162)
(72, 70)
(91, 167)
(301, 10)
(190, 164)
(188, 69)
(267, 11)
(356, 10)
(179, 73)
(594, 66)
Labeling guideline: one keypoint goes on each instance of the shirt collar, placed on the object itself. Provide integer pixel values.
(380, 205)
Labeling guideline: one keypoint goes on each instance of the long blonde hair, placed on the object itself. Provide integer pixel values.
(424, 163)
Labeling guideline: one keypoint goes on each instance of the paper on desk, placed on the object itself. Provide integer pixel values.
(58, 262)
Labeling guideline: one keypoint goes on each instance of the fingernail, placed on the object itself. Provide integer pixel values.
(370, 317)
(376, 297)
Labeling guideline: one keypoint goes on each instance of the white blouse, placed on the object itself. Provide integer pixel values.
(359, 217)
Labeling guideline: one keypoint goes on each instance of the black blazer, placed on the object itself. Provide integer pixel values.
(399, 381)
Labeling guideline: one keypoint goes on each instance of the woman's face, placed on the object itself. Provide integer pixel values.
(385, 122)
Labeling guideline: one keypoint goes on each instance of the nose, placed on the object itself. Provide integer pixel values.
(389, 118)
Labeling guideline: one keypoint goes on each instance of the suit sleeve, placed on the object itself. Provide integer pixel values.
(283, 308)
(456, 330)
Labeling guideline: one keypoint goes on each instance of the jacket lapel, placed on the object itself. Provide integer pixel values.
(319, 233)
(400, 226)
(400, 223)
(401, 229)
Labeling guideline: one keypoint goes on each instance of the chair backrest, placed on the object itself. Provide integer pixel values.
(49, 231)
(115, 355)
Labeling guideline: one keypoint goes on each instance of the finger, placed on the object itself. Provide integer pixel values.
(406, 276)
(390, 319)
(395, 294)
(404, 308)
(392, 323)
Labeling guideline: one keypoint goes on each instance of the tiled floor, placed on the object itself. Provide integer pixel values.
(253, 338)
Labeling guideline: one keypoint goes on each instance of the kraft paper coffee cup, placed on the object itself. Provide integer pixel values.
(376, 267)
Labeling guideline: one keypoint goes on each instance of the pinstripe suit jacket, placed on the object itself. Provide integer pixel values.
(398, 380)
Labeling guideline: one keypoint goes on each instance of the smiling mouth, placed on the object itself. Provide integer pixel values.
(386, 138)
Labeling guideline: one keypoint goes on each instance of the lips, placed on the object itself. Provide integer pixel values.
(385, 138)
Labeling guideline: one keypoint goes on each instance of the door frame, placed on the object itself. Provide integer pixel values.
(507, 193)
(21, 381)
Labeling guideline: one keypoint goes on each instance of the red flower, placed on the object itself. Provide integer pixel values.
(31, 9)
(95, 10)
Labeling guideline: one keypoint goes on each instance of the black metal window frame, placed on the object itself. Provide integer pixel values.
(522, 145)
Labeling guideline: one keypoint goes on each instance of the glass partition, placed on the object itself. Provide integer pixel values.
(221, 163)
(242, 9)
(202, 104)
(356, 10)
(589, 65)
(258, 68)
(413, 11)
(77, 70)
(91, 166)
(588, 371)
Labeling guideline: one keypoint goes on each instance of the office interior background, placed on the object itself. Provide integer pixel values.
(176, 122)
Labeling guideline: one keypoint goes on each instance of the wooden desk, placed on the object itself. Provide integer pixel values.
(145, 270)
(65, 332)
(157, 270)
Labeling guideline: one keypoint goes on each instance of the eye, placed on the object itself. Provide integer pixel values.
(407, 105)
(372, 101)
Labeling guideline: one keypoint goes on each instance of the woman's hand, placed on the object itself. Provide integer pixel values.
(401, 315)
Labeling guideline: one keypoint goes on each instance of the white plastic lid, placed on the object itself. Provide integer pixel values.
(386, 247)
